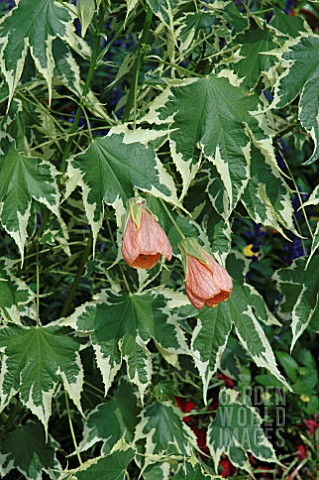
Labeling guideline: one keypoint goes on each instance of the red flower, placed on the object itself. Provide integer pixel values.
(302, 451)
(227, 380)
(206, 282)
(228, 468)
(311, 426)
(188, 407)
(144, 240)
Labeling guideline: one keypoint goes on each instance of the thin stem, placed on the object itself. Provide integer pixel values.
(132, 94)
(37, 315)
(85, 255)
(300, 200)
(172, 220)
(72, 429)
(86, 87)
(120, 266)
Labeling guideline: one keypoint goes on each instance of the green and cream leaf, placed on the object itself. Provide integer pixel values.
(228, 435)
(32, 26)
(109, 171)
(34, 361)
(24, 179)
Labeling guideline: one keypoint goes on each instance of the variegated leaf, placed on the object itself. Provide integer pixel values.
(15, 296)
(34, 361)
(267, 196)
(210, 113)
(111, 168)
(287, 25)
(27, 450)
(246, 308)
(249, 62)
(111, 421)
(300, 77)
(110, 467)
(24, 179)
(209, 341)
(123, 329)
(299, 285)
(33, 26)
(164, 431)
(236, 430)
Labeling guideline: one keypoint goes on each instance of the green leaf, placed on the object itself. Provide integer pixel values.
(193, 470)
(165, 432)
(14, 295)
(299, 285)
(209, 341)
(110, 467)
(247, 308)
(235, 431)
(122, 330)
(34, 361)
(249, 62)
(267, 196)
(163, 10)
(86, 9)
(286, 24)
(24, 179)
(111, 168)
(27, 449)
(187, 227)
(314, 198)
(111, 421)
(210, 113)
(315, 242)
(301, 77)
(32, 26)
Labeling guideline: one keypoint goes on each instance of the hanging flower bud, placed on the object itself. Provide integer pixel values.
(206, 282)
(144, 240)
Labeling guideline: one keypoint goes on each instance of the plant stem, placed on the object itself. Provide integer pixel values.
(85, 255)
(300, 201)
(72, 429)
(86, 87)
(37, 317)
(131, 99)
(172, 220)
(120, 266)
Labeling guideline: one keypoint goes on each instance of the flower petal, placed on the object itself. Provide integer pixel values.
(195, 301)
(200, 279)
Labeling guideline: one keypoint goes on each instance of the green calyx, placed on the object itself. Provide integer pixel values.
(190, 246)
(134, 209)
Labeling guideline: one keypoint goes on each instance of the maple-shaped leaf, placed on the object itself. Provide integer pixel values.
(27, 450)
(111, 168)
(34, 361)
(24, 179)
(236, 430)
(123, 329)
(213, 115)
(32, 26)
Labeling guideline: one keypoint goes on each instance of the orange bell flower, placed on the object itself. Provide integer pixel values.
(144, 240)
(206, 282)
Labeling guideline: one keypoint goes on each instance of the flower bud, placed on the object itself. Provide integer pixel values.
(206, 282)
(144, 240)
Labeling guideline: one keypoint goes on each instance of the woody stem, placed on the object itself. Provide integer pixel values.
(172, 220)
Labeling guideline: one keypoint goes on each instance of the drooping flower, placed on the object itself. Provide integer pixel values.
(206, 282)
(144, 240)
